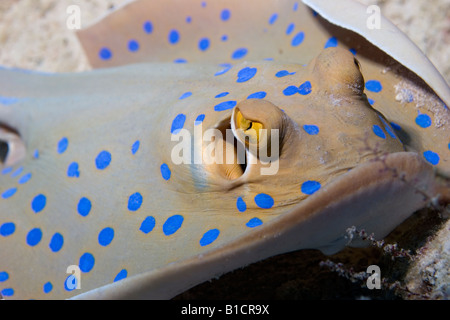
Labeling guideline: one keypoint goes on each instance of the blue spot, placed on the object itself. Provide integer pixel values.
(431, 157)
(172, 224)
(396, 126)
(185, 95)
(165, 171)
(273, 18)
(177, 123)
(290, 28)
(378, 131)
(223, 94)
(147, 225)
(174, 36)
(25, 178)
(239, 53)
(283, 73)
(36, 154)
(38, 203)
(374, 86)
(7, 170)
(225, 105)
(371, 101)
(241, 205)
(7, 292)
(9, 193)
(34, 237)
(121, 275)
(224, 38)
(257, 95)
(135, 147)
(423, 120)
(7, 229)
(311, 129)
(133, 45)
(209, 237)
(4, 276)
(246, 74)
(254, 222)
(148, 27)
(310, 186)
(298, 39)
(332, 42)
(203, 44)
(203, 4)
(226, 68)
(17, 172)
(7, 101)
(105, 54)
(305, 88)
(353, 51)
(84, 206)
(106, 236)
(264, 201)
(291, 90)
(135, 201)
(225, 15)
(387, 128)
(48, 287)
(180, 61)
(103, 160)
(295, 6)
(56, 242)
(70, 283)
(86, 262)
(72, 171)
(62, 145)
(199, 119)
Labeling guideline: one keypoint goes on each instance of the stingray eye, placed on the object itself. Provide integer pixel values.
(250, 128)
(12, 148)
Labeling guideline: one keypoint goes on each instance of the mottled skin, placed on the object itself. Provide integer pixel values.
(110, 109)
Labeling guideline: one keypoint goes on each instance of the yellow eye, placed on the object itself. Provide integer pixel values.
(251, 128)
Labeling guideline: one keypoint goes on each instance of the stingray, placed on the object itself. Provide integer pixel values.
(211, 135)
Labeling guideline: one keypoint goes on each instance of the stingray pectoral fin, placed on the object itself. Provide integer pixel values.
(375, 196)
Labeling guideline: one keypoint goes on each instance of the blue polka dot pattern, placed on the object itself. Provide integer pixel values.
(4, 276)
(38, 203)
(225, 105)
(246, 74)
(25, 178)
(225, 15)
(135, 201)
(148, 27)
(103, 160)
(254, 222)
(147, 225)
(298, 39)
(283, 73)
(7, 292)
(135, 147)
(423, 120)
(290, 29)
(84, 207)
(305, 88)
(374, 86)
(378, 131)
(165, 171)
(133, 45)
(332, 42)
(257, 95)
(72, 170)
(178, 123)
(395, 126)
(106, 236)
(9, 193)
(34, 236)
(185, 95)
(431, 157)
(7, 229)
(273, 18)
(70, 283)
(309, 187)
(172, 224)
(62, 145)
(86, 262)
(17, 172)
(226, 67)
(203, 44)
(105, 54)
(311, 129)
(264, 201)
(47, 288)
(57, 242)
(199, 119)
(209, 237)
(223, 94)
(174, 37)
(291, 90)
(241, 205)
(121, 275)
(239, 53)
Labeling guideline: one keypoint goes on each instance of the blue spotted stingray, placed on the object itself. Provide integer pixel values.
(103, 191)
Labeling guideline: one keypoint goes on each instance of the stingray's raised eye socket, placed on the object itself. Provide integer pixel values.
(12, 148)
